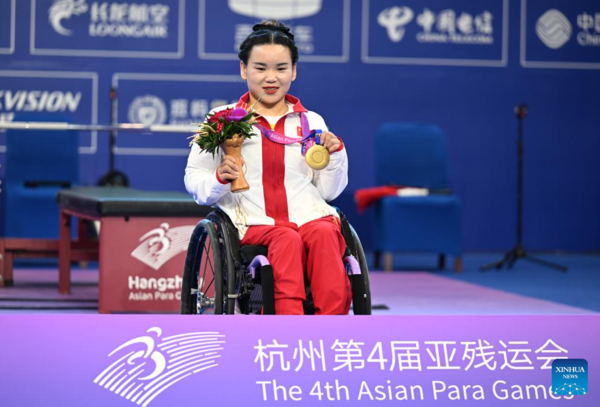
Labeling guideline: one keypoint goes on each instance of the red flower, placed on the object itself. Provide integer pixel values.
(217, 115)
(229, 114)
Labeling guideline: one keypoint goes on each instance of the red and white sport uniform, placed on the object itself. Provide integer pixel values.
(285, 209)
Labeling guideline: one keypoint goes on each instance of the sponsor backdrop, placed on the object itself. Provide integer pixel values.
(225, 361)
(460, 64)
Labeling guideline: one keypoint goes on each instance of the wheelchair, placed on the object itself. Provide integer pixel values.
(222, 277)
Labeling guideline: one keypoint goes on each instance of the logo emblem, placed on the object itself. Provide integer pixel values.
(162, 244)
(569, 377)
(147, 366)
(147, 110)
(394, 19)
(280, 9)
(553, 29)
(64, 10)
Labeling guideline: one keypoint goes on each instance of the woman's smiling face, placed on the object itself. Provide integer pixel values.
(270, 72)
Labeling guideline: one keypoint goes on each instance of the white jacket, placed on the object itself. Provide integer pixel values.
(283, 189)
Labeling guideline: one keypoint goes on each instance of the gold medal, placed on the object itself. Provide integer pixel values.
(317, 157)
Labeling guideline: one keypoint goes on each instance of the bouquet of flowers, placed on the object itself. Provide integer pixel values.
(227, 129)
(223, 125)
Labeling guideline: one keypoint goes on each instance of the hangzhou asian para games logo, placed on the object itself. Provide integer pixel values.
(162, 244)
(144, 367)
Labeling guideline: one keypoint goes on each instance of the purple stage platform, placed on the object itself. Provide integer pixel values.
(171, 360)
(433, 341)
(396, 293)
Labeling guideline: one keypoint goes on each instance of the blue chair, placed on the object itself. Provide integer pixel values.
(37, 165)
(410, 154)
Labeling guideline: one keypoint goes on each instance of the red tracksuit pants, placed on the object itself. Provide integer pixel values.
(317, 247)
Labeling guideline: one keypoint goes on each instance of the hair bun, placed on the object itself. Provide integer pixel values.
(270, 27)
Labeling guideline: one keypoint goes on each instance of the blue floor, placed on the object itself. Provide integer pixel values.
(579, 287)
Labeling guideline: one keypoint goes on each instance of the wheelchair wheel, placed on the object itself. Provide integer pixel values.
(230, 247)
(361, 291)
(202, 289)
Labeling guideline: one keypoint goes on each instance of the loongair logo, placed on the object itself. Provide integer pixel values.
(147, 110)
(394, 19)
(280, 9)
(553, 29)
(569, 377)
(162, 244)
(65, 9)
(144, 369)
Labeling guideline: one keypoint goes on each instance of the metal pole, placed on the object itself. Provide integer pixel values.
(520, 184)
(113, 133)
(129, 127)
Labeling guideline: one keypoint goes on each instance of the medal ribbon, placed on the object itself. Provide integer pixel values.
(309, 138)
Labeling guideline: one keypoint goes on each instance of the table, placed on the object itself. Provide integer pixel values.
(142, 244)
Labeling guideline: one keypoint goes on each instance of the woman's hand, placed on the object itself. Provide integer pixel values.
(330, 141)
(228, 170)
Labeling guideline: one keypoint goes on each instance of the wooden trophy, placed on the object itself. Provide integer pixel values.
(233, 147)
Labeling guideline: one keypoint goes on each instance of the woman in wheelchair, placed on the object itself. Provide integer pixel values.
(286, 206)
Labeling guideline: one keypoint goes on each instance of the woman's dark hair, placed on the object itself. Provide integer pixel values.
(269, 32)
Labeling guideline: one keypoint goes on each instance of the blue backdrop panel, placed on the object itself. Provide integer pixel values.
(7, 26)
(460, 65)
(151, 29)
(321, 29)
(435, 32)
(53, 96)
(560, 33)
(166, 99)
